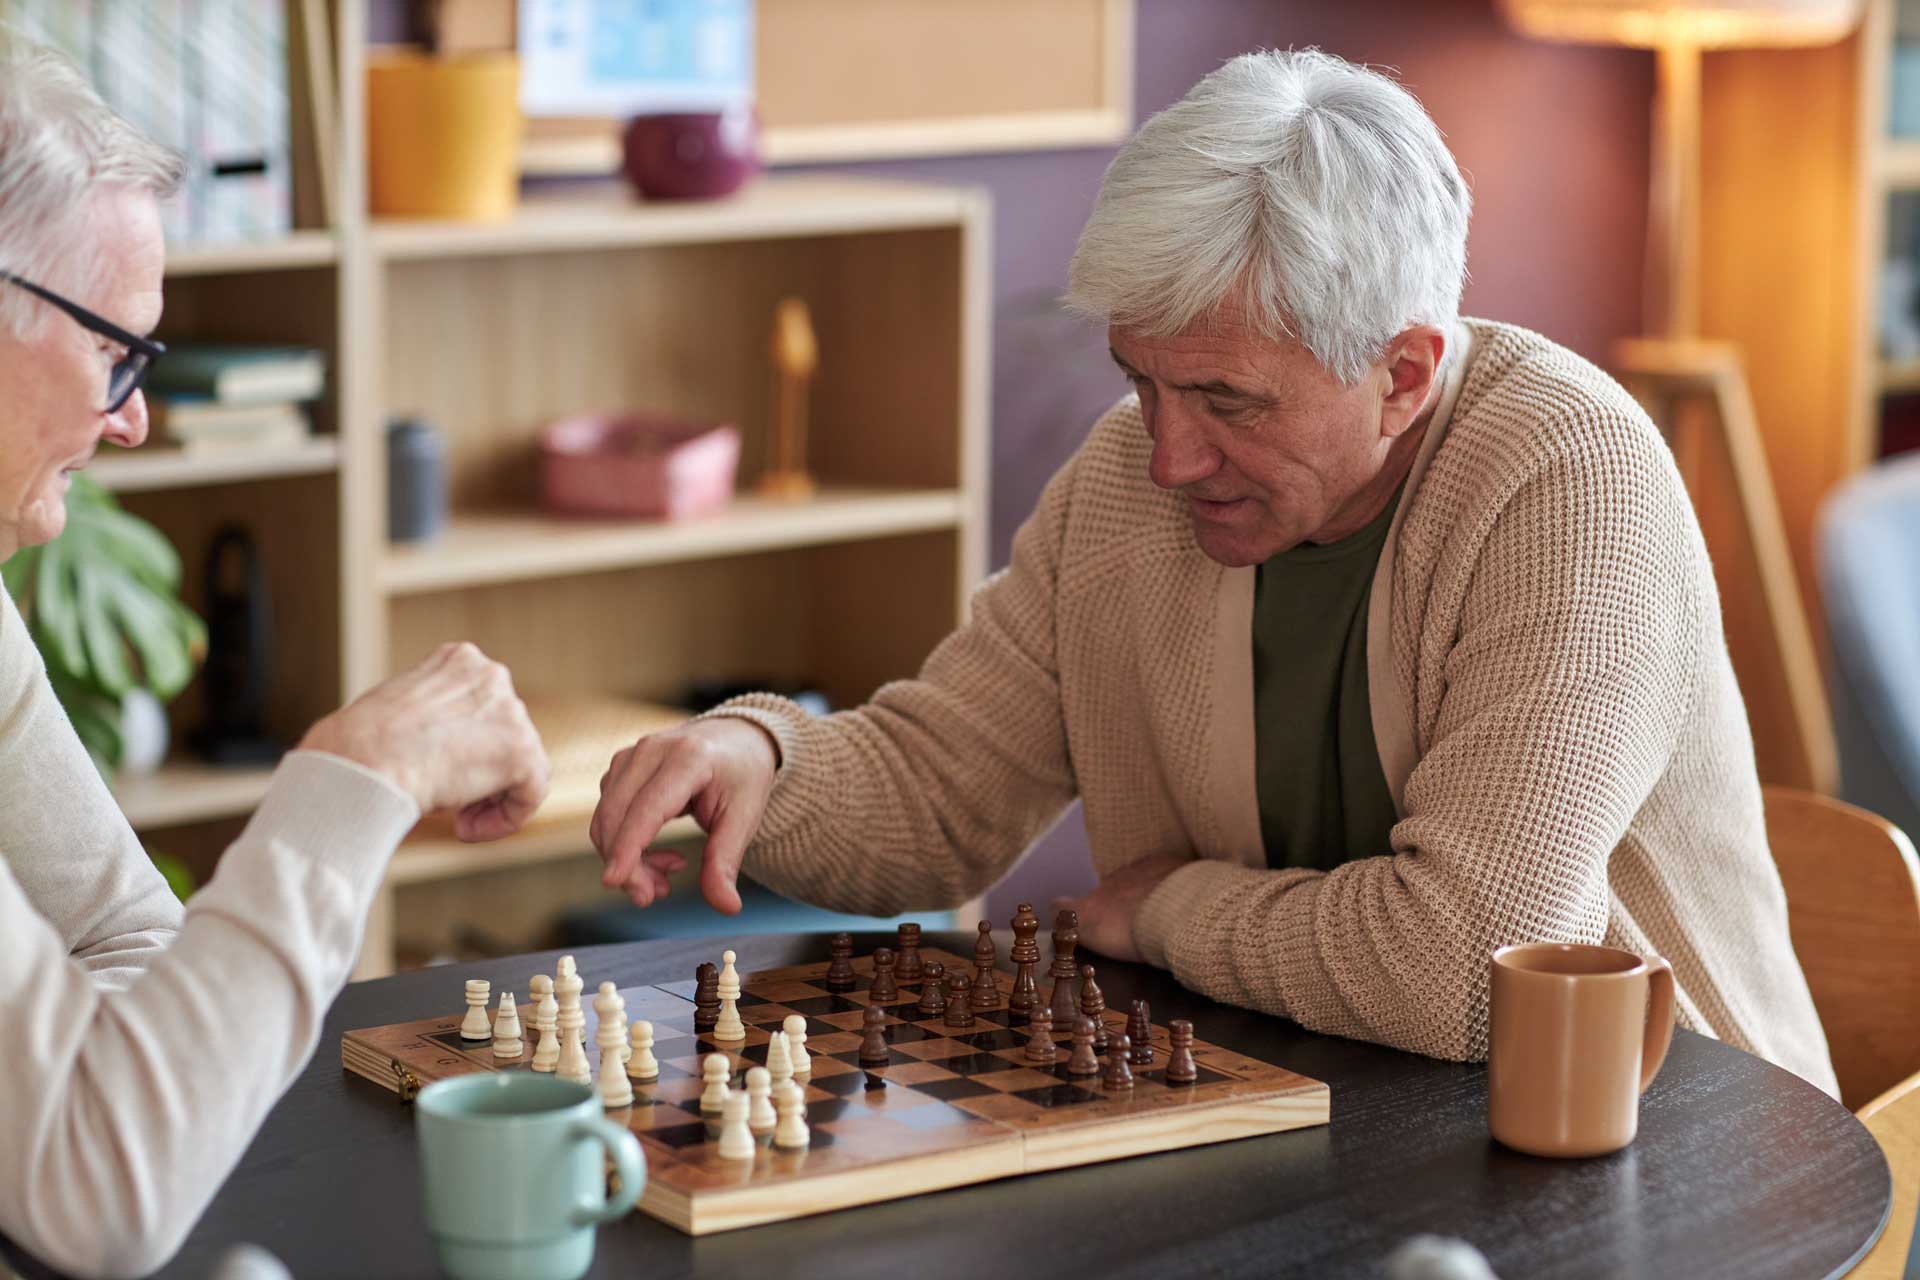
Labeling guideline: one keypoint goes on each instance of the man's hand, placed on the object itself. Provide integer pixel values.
(719, 770)
(452, 734)
(1106, 914)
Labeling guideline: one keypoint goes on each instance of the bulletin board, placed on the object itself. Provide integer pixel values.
(844, 80)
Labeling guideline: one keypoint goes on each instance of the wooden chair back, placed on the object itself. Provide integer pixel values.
(1853, 907)
(1893, 1119)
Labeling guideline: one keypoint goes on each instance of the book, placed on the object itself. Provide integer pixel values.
(200, 425)
(283, 435)
(235, 374)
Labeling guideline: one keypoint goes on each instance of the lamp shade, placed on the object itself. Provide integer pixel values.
(1704, 24)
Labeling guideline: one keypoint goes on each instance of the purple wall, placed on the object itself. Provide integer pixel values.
(1553, 139)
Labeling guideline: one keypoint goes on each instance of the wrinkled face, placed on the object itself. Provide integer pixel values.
(1269, 449)
(53, 387)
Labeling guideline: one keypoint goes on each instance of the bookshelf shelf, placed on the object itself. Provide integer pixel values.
(480, 549)
(612, 218)
(182, 792)
(170, 467)
(296, 250)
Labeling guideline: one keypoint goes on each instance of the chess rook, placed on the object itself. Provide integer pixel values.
(1066, 940)
(933, 991)
(873, 1048)
(729, 1028)
(907, 938)
(476, 1025)
(796, 1029)
(506, 1029)
(1140, 1032)
(1118, 1073)
(706, 997)
(1025, 955)
(641, 1064)
(1083, 1062)
(1092, 1005)
(959, 1012)
(884, 988)
(840, 963)
(986, 987)
(1040, 1045)
(1180, 1064)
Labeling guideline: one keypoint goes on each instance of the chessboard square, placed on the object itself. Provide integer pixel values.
(1019, 1055)
(934, 1116)
(1016, 1080)
(666, 1115)
(994, 1039)
(825, 1109)
(678, 1089)
(679, 1138)
(1060, 1095)
(770, 1016)
(894, 1058)
(881, 1095)
(936, 1050)
(825, 1066)
(843, 1085)
(975, 1064)
(849, 1021)
(748, 1000)
(951, 1090)
(787, 992)
(915, 1072)
(821, 1006)
(907, 1033)
(835, 1042)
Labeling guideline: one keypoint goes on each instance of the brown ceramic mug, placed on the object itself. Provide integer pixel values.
(1577, 1034)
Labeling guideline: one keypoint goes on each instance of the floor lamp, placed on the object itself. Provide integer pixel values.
(1695, 389)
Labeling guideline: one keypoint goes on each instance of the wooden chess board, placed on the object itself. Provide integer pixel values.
(950, 1108)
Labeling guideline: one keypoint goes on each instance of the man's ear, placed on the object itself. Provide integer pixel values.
(1412, 364)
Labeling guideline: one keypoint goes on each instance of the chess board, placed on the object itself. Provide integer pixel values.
(951, 1107)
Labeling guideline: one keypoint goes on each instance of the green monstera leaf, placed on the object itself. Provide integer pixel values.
(102, 602)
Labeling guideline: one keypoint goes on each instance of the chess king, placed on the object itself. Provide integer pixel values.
(1371, 637)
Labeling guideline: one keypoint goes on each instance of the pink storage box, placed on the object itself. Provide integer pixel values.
(637, 465)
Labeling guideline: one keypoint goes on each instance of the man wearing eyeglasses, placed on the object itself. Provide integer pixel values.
(122, 1110)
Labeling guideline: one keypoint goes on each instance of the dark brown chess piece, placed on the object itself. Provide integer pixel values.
(706, 998)
(910, 970)
(1092, 1005)
(1140, 1032)
(959, 1012)
(873, 1049)
(986, 988)
(883, 988)
(840, 967)
(1025, 954)
(1180, 1067)
(933, 990)
(1118, 1073)
(1040, 1045)
(1066, 939)
(1083, 1062)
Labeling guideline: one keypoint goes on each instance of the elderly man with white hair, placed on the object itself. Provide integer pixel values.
(1371, 638)
(146, 1044)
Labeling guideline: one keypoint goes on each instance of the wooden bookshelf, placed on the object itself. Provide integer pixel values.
(292, 251)
(490, 548)
(182, 791)
(160, 466)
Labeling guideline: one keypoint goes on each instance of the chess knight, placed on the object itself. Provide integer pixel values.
(1371, 637)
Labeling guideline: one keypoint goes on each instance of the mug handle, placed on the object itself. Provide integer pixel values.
(628, 1161)
(1659, 1035)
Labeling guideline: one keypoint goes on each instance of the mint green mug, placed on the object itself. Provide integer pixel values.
(512, 1174)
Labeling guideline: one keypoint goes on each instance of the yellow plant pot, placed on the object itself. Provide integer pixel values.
(443, 136)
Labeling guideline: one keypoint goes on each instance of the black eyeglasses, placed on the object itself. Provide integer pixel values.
(130, 369)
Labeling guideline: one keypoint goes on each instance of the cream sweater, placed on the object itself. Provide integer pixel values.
(1554, 708)
(144, 1046)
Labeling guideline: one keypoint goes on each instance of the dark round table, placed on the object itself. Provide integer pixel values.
(1740, 1170)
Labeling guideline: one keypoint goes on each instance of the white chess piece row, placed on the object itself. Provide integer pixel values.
(759, 1109)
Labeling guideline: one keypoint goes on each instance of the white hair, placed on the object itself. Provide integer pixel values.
(59, 146)
(1317, 194)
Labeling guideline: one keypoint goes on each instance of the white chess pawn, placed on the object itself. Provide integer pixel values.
(539, 987)
(760, 1117)
(546, 1021)
(729, 1027)
(797, 1045)
(506, 1029)
(779, 1058)
(736, 1138)
(641, 1064)
(476, 1025)
(790, 1130)
(573, 1063)
(716, 1070)
(615, 1089)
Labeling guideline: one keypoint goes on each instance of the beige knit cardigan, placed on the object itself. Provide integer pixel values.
(1555, 711)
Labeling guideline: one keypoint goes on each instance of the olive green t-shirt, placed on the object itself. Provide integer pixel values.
(1323, 798)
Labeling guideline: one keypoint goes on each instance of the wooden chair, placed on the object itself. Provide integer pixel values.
(1853, 907)
(1893, 1119)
